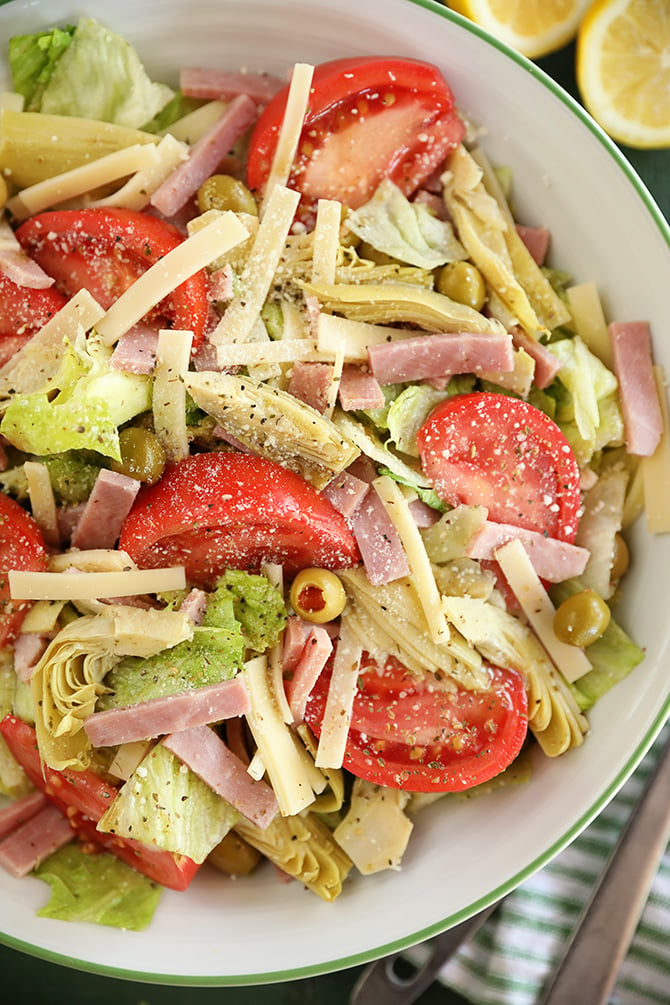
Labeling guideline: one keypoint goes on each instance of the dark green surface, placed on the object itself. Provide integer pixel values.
(29, 979)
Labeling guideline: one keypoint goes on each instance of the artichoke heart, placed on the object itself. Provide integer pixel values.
(403, 302)
(273, 424)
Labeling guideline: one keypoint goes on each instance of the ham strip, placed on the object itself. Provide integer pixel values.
(553, 560)
(380, 546)
(313, 658)
(136, 351)
(295, 633)
(643, 421)
(311, 384)
(345, 492)
(211, 760)
(16, 265)
(205, 156)
(32, 842)
(431, 356)
(171, 714)
(536, 240)
(194, 605)
(359, 389)
(211, 85)
(28, 650)
(546, 364)
(18, 813)
(105, 511)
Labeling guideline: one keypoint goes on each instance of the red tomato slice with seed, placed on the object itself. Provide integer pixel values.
(23, 311)
(368, 119)
(105, 250)
(223, 510)
(21, 547)
(503, 453)
(83, 797)
(414, 734)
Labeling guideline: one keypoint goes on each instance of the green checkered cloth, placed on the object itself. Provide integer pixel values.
(511, 957)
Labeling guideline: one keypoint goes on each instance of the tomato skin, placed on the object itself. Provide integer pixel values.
(104, 250)
(503, 453)
(21, 547)
(224, 510)
(23, 311)
(408, 735)
(380, 116)
(82, 796)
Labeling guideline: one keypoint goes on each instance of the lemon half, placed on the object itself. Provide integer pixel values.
(532, 27)
(623, 69)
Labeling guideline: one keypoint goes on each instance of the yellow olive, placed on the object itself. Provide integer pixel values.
(620, 559)
(234, 856)
(463, 282)
(317, 595)
(372, 254)
(222, 191)
(582, 618)
(142, 455)
(3, 191)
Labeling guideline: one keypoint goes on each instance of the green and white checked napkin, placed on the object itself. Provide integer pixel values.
(509, 960)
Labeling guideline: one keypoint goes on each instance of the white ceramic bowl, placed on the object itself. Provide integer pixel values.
(606, 228)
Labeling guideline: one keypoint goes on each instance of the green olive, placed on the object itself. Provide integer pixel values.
(317, 595)
(142, 455)
(582, 618)
(462, 282)
(222, 191)
(620, 558)
(234, 856)
(372, 254)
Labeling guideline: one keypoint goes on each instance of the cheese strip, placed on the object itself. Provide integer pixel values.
(538, 608)
(237, 323)
(92, 585)
(656, 469)
(253, 353)
(169, 393)
(285, 768)
(336, 334)
(589, 321)
(71, 184)
(137, 191)
(193, 254)
(339, 704)
(326, 241)
(399, 513)
(42, 501)
(290, 129)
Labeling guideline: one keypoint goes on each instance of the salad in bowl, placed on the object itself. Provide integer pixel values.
(335, 452)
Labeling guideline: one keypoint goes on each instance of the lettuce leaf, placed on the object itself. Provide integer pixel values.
(99, 888)
(257, 605)
(94, 73)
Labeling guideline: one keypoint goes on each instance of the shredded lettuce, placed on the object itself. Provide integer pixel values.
(88, 71)
(93, 400)
(257, 605)
(99, 889)
(407, 231)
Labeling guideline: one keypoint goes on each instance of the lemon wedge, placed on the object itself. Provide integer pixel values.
(623, 69)
(532, 27)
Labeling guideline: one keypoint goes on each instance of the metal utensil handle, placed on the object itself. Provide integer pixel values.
(380, 985)
(593, 958)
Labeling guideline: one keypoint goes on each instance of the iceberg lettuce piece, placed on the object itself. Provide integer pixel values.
(92, 402)
(32, 60)
(257, 605)
(99, 889)
(99, 75)
(407, 413)
(588, 382)
(407, 231)
(164, 803)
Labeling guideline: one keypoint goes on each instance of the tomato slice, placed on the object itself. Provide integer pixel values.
(21, 547)
(406, 733)
(367, 119)
(105, 250)
(224, 510)
(23, 311)
(503, 453)
(83, 797)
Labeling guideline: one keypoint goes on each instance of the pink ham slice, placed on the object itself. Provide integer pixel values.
(32, 842)
(546, 364)
(107, 507)
(295, 633)
(171, 714)
(553, 560)
(313, 658)
(22, 270)
(643, 421)
(311, 384)
(536, 240)
(209, 758)
(434, 356)
(210, 85)
(28, 650)
(359, 389)
(381, 549)
(345, 492)
(18, 813)
(136, 351)
(194, 605)
(205, 156)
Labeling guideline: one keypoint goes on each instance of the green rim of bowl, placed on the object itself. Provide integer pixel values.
(419, 935)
